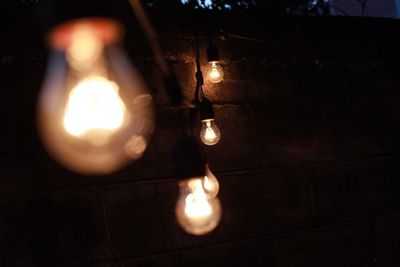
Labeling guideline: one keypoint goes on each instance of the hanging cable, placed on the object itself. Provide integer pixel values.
(170, 82)
(209, 133)
(199, 93)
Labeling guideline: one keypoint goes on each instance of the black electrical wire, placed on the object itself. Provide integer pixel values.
(350, 54)
(225, 36)
(199, 92)
(363, 4)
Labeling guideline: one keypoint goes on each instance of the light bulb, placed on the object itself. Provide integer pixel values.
(197, 211)
(94, 111)
(210, 183)
(215, 72)
(209, 132)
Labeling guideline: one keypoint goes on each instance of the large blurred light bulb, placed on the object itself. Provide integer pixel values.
(215, 72)
(197, 211)
(94, 112)
(209, 132)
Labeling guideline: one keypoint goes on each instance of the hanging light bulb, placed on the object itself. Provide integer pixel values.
(209, 132)
(215, 72)
(197, 211)
(94, 112)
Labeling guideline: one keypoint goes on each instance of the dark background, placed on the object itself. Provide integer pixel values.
(308, 162)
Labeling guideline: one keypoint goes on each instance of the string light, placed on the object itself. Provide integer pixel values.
(209, 133)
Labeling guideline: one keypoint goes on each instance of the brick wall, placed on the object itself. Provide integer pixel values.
(308, 162)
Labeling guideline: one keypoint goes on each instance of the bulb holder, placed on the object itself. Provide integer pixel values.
(206, 110)
(212, 53)
(189, 157)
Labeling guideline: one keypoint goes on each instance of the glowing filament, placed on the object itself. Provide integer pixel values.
(196, 202)
(215, 72)
(207, 184)
(210, 134)
(94, 104)
(210, 183)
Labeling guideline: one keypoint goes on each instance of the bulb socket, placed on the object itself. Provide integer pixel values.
(212, 53)
(189, 157)
(206, 110)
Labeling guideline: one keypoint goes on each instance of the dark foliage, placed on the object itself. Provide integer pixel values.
(301, 7)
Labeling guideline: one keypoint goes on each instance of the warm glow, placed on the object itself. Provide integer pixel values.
(207, 183)
(94, 104)
(135, 146)
(210, 183)
(196, 203)
(215, 73)
(85, 49)
(209, 133)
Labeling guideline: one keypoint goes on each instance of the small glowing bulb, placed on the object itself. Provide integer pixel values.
(197, 211)
(210, 183)
(209, 132)
(95, 114)
(215, 72)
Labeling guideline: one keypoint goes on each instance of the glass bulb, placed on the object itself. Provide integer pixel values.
(197, 211)
(209, 132)
(210, 183)
(215, 72)
(94, 111)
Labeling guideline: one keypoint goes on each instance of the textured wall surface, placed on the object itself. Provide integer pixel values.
(308, 162)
